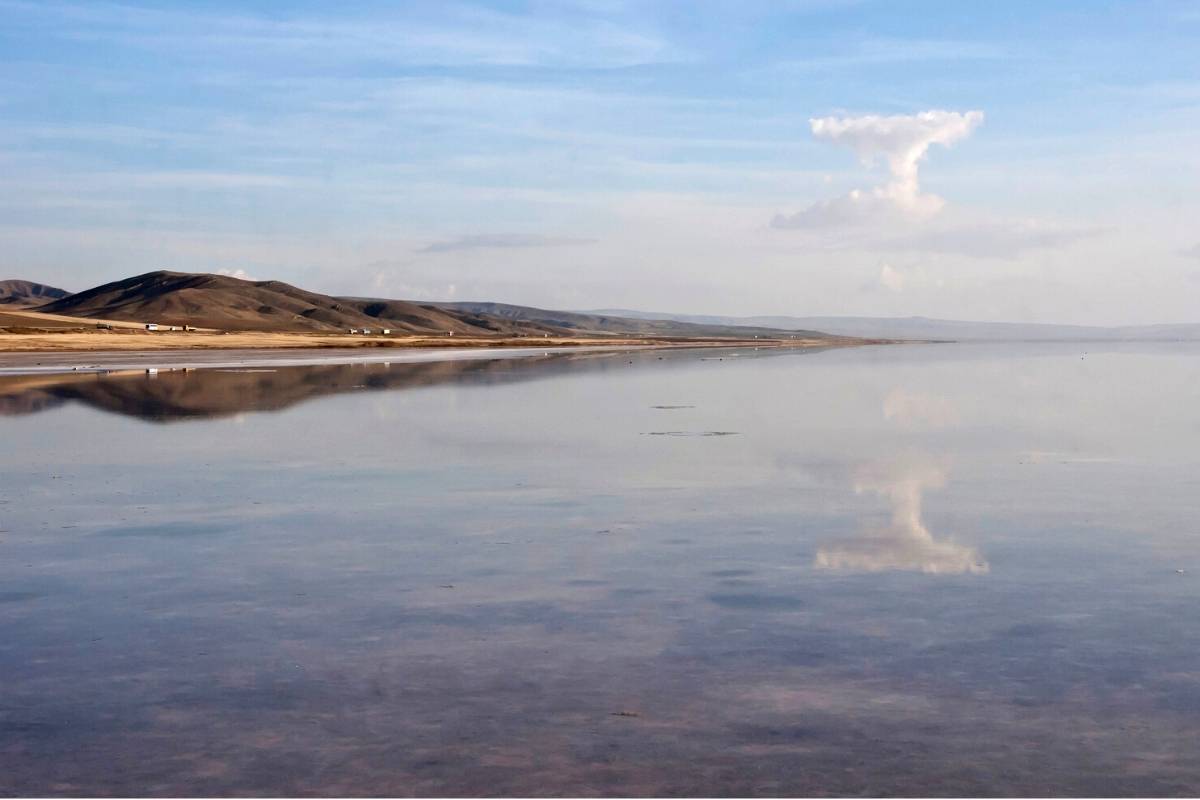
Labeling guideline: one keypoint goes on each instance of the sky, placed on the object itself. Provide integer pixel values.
(1020, 161)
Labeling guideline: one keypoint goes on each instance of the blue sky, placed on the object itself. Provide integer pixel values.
(599, 153)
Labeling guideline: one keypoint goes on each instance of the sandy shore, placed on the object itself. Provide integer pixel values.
(93, 341)
(118, 360)
(257, 350)
(24, 331)
(107, 341)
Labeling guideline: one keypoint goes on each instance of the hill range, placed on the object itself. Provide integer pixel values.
(231, 304)
(221, 302)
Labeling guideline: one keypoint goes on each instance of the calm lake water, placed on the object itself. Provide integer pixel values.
(924, 569)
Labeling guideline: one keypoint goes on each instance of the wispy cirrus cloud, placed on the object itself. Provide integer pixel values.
(491, 241)
(874, 52)
(460, 35)
(989, 238)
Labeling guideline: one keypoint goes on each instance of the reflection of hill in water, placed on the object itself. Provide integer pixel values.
(201, 393)
(28, 402)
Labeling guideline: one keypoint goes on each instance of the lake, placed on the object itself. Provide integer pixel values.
(897, 570)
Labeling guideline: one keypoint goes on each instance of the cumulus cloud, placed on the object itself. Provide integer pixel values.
(891, 278)
(896, 278)
(483, 241)
(241, 274)
(901, 141)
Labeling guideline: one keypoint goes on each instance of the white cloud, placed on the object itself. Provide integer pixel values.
(900, 140)
(908, 279)
(858, 207)
(240, 274)
(891, 278)
(882, 218)
(481, 241)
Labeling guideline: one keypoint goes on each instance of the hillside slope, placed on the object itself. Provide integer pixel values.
(218, 301)
(22, 294)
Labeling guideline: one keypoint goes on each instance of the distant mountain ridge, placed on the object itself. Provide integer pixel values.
(606, 323)
(18, 293)
(938, 329)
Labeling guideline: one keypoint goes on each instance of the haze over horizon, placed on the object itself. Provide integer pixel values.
(1016, 163)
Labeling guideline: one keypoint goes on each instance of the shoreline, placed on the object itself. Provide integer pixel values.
(105, 341)
(41, 362)
(167, 360)
(34, 352)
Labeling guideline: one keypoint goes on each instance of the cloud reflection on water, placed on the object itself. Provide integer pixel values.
(904, 543)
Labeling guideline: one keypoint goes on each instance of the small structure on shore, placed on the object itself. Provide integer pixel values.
(151, 326)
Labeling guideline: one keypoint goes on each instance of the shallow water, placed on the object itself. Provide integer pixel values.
(930, 570)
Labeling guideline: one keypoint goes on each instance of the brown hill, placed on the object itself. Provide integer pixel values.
(22, 294)
(218, 301)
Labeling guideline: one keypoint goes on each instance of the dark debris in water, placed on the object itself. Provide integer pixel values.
(18, 597)
(754, 601)
(691, 433)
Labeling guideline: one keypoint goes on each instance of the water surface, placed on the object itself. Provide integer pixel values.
(918, 570)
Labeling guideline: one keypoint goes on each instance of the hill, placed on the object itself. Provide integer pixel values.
(601, 323)
(23, 294)
(218, 301)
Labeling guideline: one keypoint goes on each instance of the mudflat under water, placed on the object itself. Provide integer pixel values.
(905, 570)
